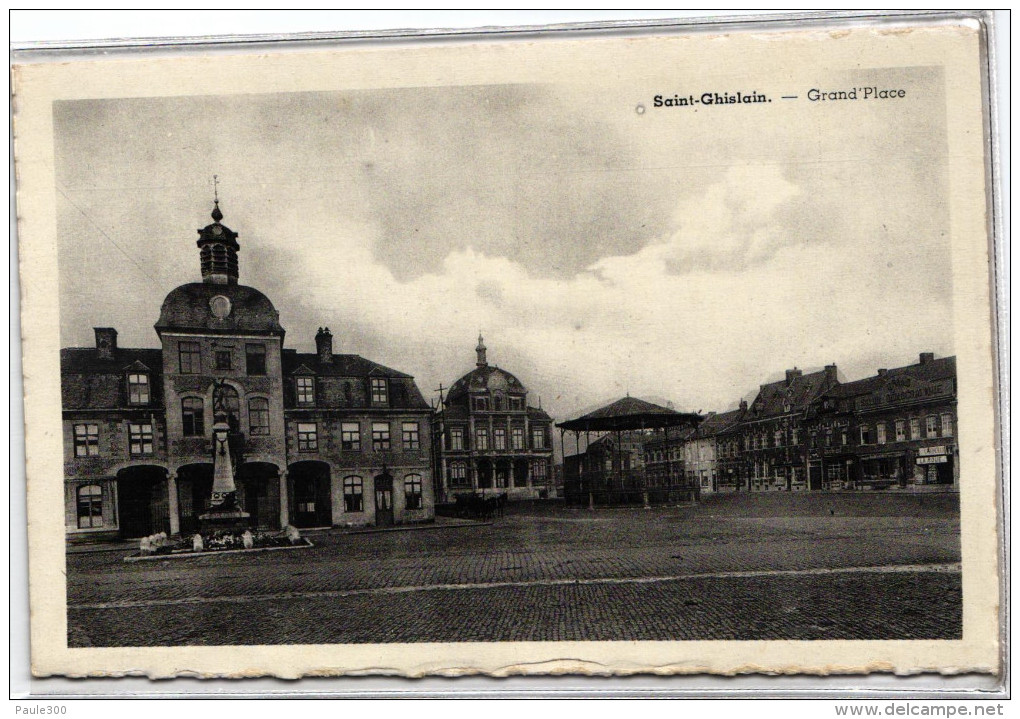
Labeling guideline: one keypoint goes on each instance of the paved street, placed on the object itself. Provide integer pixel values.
(738, 567)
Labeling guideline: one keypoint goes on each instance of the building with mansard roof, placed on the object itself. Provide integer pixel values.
(489, 440)
(318, 439)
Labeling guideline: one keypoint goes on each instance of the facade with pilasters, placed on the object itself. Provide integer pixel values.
(489, 440)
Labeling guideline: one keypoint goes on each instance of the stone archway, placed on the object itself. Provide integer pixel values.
(143, 505)
(258, 492)
(309, 488)
(194, 488)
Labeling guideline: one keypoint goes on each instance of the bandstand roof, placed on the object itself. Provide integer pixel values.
(630, 413)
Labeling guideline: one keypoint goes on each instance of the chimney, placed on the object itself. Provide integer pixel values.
(743, 406)
(882, 372)
(791, 375)
(106, 341)
(324, 345)
(927, 357)
(830, 374)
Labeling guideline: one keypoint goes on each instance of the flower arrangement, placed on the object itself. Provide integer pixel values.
(161, 544)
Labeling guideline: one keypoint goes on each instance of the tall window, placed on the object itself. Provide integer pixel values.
(931, 426)
(915, 428)
(258, 416)
(456, 438)
(90, 506)
(880, 432)
(458, 475)
(539, 472)
(307, 437)
(844, 437)
(499, 438)
(796, 436)
(516, 404)
(410, 435)
(828, 437)
(381, 436)
(223, 360)
(777, 438)
(190, 357)
(481, 438)
(86, 440)
(517, 438)
(947, 425)
(306, 390)
(138, 389)
(412, 491)
(350, 437)
(482, 404)
(538, 437)
(255, 359)
(140, 438)
(193, 416)
(380, 394)
(901, 430)
(865, 434)
(354, 494)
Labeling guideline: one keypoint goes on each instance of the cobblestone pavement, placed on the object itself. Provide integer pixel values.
(516, 580)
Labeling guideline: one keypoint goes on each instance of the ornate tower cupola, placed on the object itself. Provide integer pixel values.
(219, 248)
(480, 350)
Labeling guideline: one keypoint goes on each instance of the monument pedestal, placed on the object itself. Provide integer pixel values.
(232, 520)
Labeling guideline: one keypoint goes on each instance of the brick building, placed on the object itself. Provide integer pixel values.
(896, 428)
(489, 440)
(317, 439)
(772, 435)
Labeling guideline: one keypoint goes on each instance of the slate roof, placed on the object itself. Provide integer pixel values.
(717, 422)
(343, 365)
(89, 381)
(773, 398)
(628, 413)
(485, 377)
(187, 308)
(931, 371)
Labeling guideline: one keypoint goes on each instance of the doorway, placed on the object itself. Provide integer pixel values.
(312, 501)
(144, 506)
(384, 500)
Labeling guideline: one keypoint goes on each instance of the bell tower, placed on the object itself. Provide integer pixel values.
(218, 248)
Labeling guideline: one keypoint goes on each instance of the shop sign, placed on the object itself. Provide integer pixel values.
(932, 451)
(932, 460)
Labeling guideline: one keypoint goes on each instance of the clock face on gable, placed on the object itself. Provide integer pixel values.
(220, 307)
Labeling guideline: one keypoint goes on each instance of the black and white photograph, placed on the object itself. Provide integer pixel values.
(516, 345)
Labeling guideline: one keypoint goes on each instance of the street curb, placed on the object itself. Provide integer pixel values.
(215, 552)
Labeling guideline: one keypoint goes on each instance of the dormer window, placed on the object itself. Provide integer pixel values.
(380, 391)
(516, 404)
(306, 390)
(138, 389)
(482, 404)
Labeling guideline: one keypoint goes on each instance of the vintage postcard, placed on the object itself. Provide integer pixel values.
(664, 353)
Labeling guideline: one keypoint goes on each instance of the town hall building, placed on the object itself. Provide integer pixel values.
(317, 439)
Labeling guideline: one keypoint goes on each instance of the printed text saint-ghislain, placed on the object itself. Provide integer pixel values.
(710, 98)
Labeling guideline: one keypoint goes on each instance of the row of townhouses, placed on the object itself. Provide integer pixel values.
(896, 428)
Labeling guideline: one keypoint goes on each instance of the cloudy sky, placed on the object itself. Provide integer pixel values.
(675, 255)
